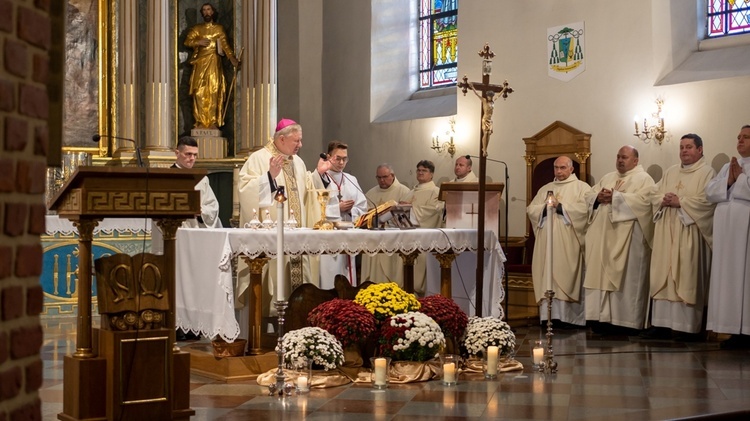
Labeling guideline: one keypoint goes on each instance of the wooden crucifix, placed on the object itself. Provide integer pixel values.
(486, 92)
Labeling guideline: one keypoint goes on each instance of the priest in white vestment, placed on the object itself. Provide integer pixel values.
(463, 172)
(347, 203)
(569, 228)
(729, 297)
(381, 267)
(681, 257)
(618, 246)
(277, 164)
(427, 212)
(185, 156)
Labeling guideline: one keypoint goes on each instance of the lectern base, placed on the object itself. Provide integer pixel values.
(84, 394)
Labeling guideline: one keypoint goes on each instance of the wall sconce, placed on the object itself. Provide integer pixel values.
(448, 145)
(655, 131)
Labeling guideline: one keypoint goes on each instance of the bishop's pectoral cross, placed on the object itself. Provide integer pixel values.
(486, 93)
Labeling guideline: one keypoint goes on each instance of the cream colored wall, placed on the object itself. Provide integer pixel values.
(629, 47)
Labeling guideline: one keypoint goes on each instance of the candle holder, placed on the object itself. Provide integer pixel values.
(549, 365)
(303, 371)
(381, 372)
(323, 224)
(449, 364)
(278, 387)
(537, 354)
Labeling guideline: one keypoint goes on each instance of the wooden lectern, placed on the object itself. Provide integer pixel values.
(129, 368)
(462, 205)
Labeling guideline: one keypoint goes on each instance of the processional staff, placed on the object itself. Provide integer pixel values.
(486, 93)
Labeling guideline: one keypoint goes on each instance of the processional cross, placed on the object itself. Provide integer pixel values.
(486, 92)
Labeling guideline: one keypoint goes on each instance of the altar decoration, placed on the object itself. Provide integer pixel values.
(448, 315)
(412, 336)
(347, 320)
(313, 343)
(483, 333)
(384, 300)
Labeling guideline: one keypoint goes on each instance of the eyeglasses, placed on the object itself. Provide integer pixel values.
(340, 158)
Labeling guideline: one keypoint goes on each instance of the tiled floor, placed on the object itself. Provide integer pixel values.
(599, 378)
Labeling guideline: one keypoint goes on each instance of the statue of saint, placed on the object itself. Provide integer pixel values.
(207, 84)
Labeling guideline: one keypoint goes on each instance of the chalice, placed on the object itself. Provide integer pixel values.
(323, 224)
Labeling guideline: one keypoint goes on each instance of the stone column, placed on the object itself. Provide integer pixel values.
(159, 115)
(125, 123)
(258, 93)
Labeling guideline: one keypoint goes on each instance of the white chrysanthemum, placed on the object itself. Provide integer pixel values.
(482, 332)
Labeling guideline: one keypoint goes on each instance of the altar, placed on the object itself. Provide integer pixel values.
(206, 289)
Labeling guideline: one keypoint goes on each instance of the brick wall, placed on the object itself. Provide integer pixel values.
(24, 54)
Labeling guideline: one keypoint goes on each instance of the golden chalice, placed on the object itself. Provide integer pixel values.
(323, 224)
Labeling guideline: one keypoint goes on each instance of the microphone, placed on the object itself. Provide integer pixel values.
(323, 156)
(489, 159)
(375, 219)
(97, 137)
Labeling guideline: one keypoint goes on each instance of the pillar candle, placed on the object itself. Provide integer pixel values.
(492, 360)
(538, 355)
(449, 372)
(380, 371)
(280, 294)
(548, 260)
(302, 383)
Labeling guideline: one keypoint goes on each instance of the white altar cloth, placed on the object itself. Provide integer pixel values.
(56, 225)
(205, 290)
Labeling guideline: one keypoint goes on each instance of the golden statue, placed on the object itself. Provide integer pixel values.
(207, 84)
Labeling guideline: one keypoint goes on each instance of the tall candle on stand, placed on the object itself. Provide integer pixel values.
(280, 294)
(548, 260)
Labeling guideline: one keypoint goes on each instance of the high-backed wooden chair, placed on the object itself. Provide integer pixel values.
(542, 149)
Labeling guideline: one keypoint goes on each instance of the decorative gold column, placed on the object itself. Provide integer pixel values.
(169, 230)
(127, 79)
(159, 113)
(445, 260)
(409, 260)
(258, 93)
(255, 303)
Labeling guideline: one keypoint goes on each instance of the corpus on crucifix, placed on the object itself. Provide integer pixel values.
(487, 93)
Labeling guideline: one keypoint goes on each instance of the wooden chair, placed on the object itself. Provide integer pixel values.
(542, 149)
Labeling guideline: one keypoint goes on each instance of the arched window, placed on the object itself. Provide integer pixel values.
(438, 43)
(727, 17)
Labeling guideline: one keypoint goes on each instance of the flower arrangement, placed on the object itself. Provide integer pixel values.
(348, 321)
(448, 315)
(313, 343)
(412, 336)
(386, 299)
(482, 332)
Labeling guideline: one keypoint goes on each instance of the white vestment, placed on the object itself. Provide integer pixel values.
(209, 215)
(427, 211)
(255, 193)
(344, 264)
(729, 296)
(381, 267)
(568, 232)
(681, 256)
(468, 178)
(618, 247)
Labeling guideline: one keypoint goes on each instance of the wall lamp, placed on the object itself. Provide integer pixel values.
(656, 130)
(448, 145)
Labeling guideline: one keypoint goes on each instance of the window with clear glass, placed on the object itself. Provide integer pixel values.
(438, 43)
(727, 17)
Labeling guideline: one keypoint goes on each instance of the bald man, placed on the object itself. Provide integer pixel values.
(568, 228)
(463, 171)
(618, 247)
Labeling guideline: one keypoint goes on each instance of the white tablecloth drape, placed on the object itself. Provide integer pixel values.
(56, 225)
(205, 298)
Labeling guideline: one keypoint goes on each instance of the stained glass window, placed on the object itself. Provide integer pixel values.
(728, 17)
(438, 43)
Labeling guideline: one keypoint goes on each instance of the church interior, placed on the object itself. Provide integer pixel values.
(346, 71)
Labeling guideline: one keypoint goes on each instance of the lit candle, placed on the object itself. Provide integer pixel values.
(492, 360)
(380, 371)
(550, 218)
(235, 192)
(538, 354)
(302, 383)
(449, 372)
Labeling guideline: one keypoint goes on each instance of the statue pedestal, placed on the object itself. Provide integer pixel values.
(210, 143)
